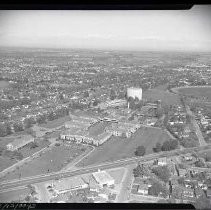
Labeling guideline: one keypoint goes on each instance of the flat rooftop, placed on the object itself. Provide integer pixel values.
(102, 177)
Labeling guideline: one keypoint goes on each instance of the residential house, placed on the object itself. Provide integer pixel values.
(150, 121)
(188, 157)
(143, 189)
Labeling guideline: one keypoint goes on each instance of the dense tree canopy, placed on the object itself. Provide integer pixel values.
(162, 172)
(140, 151)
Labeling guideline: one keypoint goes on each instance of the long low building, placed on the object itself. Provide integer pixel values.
(82, 136)
(119, 129)
(102, 138)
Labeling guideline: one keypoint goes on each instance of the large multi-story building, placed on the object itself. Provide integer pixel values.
(134, 93)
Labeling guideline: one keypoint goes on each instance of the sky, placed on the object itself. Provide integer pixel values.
(183, 30)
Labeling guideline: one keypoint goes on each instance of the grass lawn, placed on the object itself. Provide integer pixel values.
(27, 151)
(118, 148)
(6, 162)
(55, 123)
(6, 140)
(117, 174)
(98, 128)
(165, 97)
(4, 84)
(50, 161)
(15, 195)
(197, 92)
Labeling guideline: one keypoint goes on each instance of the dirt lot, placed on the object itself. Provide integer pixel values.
(117, 148)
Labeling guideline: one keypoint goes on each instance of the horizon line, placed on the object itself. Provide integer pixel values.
(105, 49)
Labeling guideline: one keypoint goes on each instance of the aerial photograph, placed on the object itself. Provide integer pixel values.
(104, 106)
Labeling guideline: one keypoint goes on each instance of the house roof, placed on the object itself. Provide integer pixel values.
(143, 187)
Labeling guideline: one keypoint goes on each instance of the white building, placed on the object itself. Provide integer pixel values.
(162, 161)
(143, 189)
(134, 93)
(103, 178)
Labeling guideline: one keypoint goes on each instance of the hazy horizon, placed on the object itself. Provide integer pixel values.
(144, 30)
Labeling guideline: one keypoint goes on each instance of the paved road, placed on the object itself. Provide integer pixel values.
(126, 185)
(62, 174)
(202, 142)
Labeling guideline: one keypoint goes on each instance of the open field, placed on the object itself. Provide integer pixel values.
(55, 123)
(26, 151)
(97, 128)
(118, 148)
(15, 195)
(6, 162)
(201, 92)
(6, 140)
(4, 84)
(50, 161)
(166, 98)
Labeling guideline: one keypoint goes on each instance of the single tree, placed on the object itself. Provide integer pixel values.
(158, 147)
(140, 151)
